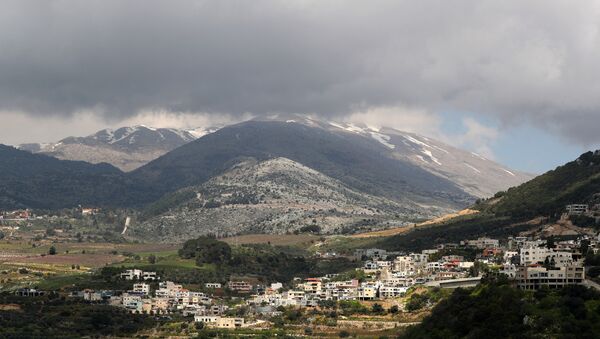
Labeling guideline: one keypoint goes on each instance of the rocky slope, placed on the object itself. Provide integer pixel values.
(273, 196)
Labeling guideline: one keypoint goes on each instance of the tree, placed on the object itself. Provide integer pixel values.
(394, 309)
(206, 251)
(52, 250)
(152, 259)
(377, 309)
(550, 242)
(344, 334)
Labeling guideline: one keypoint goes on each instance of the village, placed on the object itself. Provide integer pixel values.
(384, 276)
(380, 282)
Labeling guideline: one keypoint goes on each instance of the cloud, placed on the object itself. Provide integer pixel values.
(477, 137)
(531, 62)
(402, 118)
(19, 128)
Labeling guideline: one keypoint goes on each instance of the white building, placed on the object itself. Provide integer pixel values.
(536, 255)
(391, 291)
(536, 276)
(483, 242)
(141, 288)
(212, 285)
(139, 275)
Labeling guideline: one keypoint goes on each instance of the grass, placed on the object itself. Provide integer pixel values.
(298, 240)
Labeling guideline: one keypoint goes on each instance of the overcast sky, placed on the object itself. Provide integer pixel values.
(516, 80)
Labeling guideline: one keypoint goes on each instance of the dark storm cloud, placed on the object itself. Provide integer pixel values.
(519, 61)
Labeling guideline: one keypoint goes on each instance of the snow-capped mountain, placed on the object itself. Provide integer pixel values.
(475, 174)
(126, 148)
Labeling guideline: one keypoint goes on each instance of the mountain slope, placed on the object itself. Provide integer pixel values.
(273, 196)
(537, 203)
(362, 164)
(577, 182)
(126, 148)
(472, 172)
(39, 181)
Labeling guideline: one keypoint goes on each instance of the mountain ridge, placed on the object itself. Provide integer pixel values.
(126, 148)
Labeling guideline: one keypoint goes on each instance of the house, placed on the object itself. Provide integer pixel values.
(138, 275)
(89, 211)
(482, 243)
(133, 302)
(491, 251)
(534, 255)
(212, 285)
(370, 265)
(577, 209)
(220, 322)
(312, 285)
(29, 292)
(367, 292)
(168, 289)
(370, 253)
(391, 291)
(240, 286)
(141, 288)
(535, 276)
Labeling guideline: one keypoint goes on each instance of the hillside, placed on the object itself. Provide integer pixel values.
(126, 148)
(533, 205)
(577, 182)
(473, 173)
(273, 196)
(39, 181)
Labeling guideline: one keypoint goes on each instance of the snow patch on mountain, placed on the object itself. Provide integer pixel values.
(509, 172)
(384, 139)
(430, 155)
(415, 141)
(473, 168)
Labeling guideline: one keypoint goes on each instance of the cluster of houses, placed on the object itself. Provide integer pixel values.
(16, 215)
(529, 263)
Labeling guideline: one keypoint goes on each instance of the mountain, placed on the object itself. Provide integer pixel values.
(332, 173)
(273, 196)
(472, 172)
(126, 148)
(361, 163)
(40, 181)
(535, 206)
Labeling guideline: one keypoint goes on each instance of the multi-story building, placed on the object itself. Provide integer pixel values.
(482, 243)
(577, 209)
(534, 255)
(535, 276)
(312, 285)
(138, 275)
(219, 322)
(168, 289)
(391, 291)
(141, 288)
(366, 292)
(240, 286)
(212, 285)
